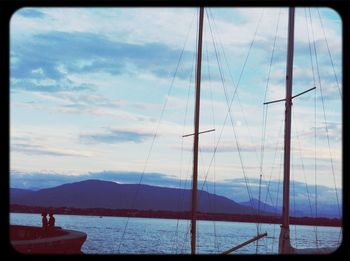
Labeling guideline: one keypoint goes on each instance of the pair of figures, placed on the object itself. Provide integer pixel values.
(48, 223)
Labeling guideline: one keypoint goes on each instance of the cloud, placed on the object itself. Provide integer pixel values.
(35, 144)
(43, 151)
(329, 130)
(84, 102)
(47, 85)
(82, 53)
(116, 136)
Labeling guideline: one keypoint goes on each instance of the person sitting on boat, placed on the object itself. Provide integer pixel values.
(44, 220)
(51, 220)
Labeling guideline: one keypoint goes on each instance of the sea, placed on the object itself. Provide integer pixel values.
(122, 235)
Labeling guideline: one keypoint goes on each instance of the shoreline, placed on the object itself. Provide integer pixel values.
(306, 221)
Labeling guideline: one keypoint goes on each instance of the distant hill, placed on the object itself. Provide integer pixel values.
(106, 194)
(300, 210)
(254, 203)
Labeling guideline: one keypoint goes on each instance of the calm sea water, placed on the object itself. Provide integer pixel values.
(112, 235)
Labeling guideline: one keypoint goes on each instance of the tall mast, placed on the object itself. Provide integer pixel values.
(196, 133)
(284, 240)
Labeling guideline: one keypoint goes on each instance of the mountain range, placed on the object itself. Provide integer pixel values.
(94, 193)
(112, 195)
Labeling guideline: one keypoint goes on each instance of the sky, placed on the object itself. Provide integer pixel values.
(96, 90)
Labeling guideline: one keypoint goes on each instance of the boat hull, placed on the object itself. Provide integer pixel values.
(36, 240)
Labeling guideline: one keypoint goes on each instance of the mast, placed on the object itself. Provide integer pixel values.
(284, 240)
(196, 133)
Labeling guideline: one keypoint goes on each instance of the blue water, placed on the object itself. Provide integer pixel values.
(105, 235)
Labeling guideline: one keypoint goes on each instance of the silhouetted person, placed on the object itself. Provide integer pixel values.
(44, 220)
(51, 221)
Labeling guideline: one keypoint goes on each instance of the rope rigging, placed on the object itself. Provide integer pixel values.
(230, 104)
(181, 196)
(229, 108)
(329, 53)
(315, 129)
(326, 124)
(303, 170)
(294, 208)
(233, 84)
(216, 245)
(235, 134)
(265, 113)
(325, 119)
(155, 136)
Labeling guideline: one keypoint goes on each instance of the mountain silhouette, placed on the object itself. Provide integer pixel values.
(107, 194)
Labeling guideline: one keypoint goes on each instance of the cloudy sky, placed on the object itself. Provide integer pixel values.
(112, 89)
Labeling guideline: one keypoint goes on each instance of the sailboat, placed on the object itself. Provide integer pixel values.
(285, 246)
(195, 147)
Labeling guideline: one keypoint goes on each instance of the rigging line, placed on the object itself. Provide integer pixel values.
(329, 52)
(303, 166)
(315, 129)
(180, 201)
(184, 241)
(263, 135)
(184, 124)
(277, 144)
(205, 183)
(269, 182)
(250, 47)
(310, 48)
(226, 116)
(189, 174)
(210, 200)
(277, 197)
(265, 115)
(216, 245)
(196, 48)
(315, 150)
(235, 92)
(201, 163)
(273, 163)
(266, 88)
(186, 236)
(156, 132)
(229, 113)
(261, 163)
(233, 83)
(325, 119)
(293, 191)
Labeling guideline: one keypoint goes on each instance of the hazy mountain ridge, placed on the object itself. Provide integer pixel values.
(106, 194)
